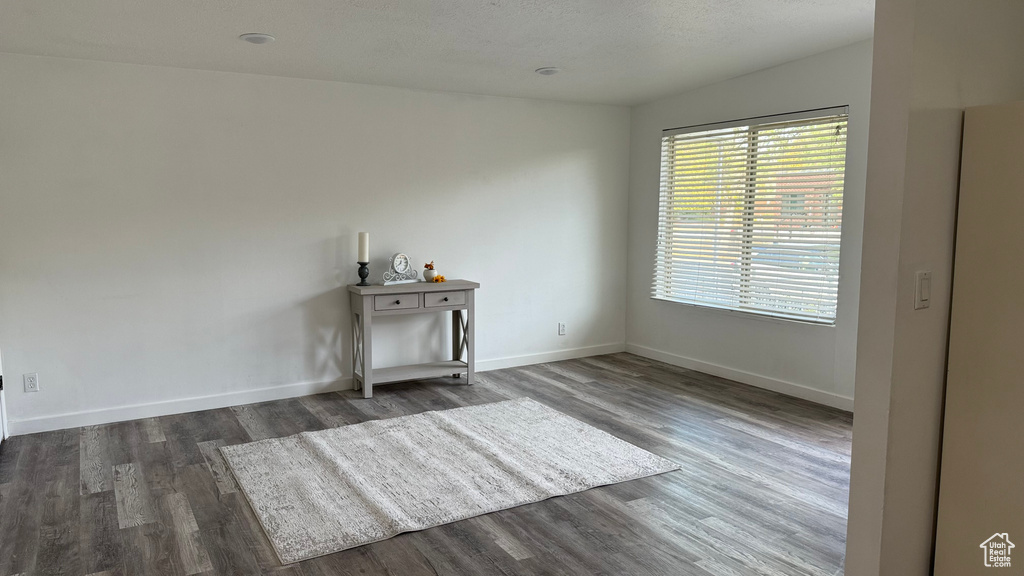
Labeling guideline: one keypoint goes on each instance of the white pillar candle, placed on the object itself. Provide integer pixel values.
(364, 247)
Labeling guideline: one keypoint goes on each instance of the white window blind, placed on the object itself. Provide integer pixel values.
(750, 215)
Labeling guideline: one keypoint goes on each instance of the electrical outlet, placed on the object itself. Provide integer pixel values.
(561, 328)
(31, 382)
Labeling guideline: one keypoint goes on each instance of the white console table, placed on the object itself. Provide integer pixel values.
(415, 298)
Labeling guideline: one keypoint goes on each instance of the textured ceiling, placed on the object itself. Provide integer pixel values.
(611, 51)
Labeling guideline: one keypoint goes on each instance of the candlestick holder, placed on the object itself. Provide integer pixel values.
(364, 272)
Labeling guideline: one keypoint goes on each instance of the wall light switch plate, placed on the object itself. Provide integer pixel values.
(922, 290)
(31, 382)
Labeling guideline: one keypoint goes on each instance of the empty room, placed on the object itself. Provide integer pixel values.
(443, 287)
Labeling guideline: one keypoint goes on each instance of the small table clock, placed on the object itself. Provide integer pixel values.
(401, 271)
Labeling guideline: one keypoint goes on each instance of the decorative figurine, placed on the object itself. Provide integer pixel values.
(429, 272)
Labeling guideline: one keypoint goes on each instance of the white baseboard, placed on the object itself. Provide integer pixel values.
(182, 405)
(567, 354)
(168, 407)
(780, 386)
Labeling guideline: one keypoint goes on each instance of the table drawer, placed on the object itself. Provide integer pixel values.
(440, 299)
(396, 302)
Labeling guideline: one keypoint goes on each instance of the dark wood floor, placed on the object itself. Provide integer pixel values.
(762, 490)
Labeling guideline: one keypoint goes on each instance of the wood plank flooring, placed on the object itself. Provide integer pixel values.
(762, 490)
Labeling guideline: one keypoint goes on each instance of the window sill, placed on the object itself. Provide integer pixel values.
(747, 315)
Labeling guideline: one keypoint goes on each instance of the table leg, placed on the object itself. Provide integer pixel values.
(456, 338)
(470, 337)
(366, 325)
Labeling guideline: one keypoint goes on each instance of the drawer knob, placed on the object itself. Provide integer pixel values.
(397, 302)
(445, 298)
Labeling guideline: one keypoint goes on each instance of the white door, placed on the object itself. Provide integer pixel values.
(981, 503)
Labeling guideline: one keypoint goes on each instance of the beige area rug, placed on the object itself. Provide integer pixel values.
(320, 492)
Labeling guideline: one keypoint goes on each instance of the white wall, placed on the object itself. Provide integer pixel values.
(177, 239)
(933, 59)
(814, 362)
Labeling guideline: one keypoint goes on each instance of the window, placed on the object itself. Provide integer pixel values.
(750, 213)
